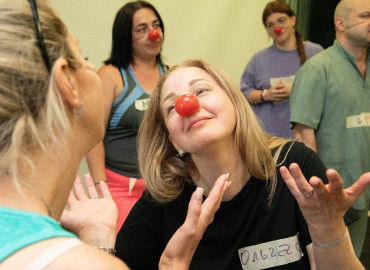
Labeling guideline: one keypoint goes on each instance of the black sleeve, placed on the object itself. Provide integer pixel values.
(306, 158)
(139, 243)
(311, 165)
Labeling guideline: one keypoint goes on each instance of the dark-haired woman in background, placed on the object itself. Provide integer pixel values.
(267, 79)
(129, 76)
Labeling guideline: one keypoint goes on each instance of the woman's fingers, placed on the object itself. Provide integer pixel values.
(200, 214)
(78, 189)
(194, 211)
(292, 183)
(104, 190)
(213, 201)
(71, 199)
(304, 187)
(359, 187)
(91, 187)
(318, 187)
(335, 181)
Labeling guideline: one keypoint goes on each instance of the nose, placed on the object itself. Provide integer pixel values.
(153, 34)
(277, 29)
(187, 105)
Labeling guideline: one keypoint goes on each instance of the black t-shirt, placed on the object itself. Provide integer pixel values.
(245, 233)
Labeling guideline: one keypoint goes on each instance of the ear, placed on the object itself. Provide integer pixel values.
(66, 83)
(173, 142)
(294, 20)
(340, 24)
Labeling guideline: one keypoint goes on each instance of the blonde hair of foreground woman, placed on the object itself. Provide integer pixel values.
(162, 168)
(32, 112)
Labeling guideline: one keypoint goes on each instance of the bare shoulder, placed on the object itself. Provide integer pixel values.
(87, 257)
(109, 71)
(112, 81)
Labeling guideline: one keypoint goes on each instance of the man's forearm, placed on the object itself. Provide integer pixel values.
(305, 134)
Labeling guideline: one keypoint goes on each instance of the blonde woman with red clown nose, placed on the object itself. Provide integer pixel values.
(276, 213)
(51, 115)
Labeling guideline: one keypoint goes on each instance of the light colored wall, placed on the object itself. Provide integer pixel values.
(225, 32)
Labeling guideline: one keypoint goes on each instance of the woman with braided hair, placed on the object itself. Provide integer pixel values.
(267, 79)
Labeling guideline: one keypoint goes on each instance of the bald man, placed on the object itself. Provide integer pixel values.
(330, 104)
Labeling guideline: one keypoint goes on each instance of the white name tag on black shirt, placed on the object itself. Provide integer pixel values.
(271, 254)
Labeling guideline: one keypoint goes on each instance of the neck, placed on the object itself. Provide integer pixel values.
(147, 73)
(143, 63)
(43, 190)
(360, 53)
(213, 166)
(36, 194)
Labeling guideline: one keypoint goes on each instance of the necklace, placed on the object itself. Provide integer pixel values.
(36, 193)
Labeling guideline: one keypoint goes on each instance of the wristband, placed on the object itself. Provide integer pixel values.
(97, 183)
(262, 99)
(111, 251)
(332, 244)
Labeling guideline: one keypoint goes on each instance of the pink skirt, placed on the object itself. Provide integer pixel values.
(125, 192)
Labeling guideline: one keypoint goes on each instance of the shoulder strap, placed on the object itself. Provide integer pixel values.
(49, 256)
(162, 68)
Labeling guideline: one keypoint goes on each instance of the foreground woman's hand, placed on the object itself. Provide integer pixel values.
(181, 247)
(91, 217)
(323, 206)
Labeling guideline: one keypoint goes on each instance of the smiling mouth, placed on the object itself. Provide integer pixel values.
(153, 46)
(154, 43)
(197, 122)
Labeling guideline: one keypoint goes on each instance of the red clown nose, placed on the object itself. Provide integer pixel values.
(153, 34)
(277, 30)
(187, 105)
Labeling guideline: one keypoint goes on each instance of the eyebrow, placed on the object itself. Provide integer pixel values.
(192, 82)
(282, 16)
(170, 95)
(145, 24)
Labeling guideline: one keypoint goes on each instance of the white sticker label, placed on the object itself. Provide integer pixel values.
(142, 104)
(271, 254)
(362, 120)
(275, 81)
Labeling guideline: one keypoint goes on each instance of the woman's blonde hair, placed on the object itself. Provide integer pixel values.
(32, 112)
(164, 171)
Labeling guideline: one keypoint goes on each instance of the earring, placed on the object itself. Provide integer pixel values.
(79, 111)
(181, 152)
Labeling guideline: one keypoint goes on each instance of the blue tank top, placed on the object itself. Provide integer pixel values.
(19, 229)
(126, 113)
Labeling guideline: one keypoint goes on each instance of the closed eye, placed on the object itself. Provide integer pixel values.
(141, 30)
(170, 109)
(282, 20)
(201, 91)
(156, 25)
(365, 15)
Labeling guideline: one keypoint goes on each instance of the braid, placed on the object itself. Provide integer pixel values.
(300, 47)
